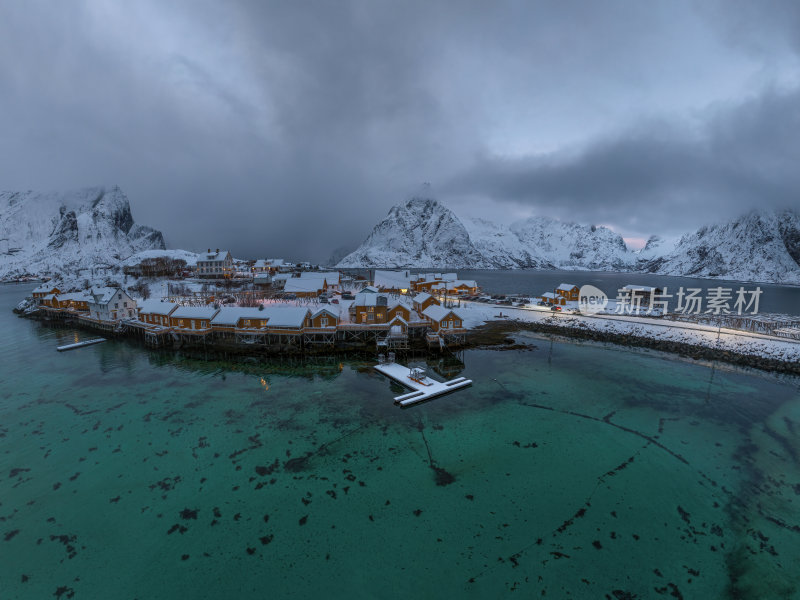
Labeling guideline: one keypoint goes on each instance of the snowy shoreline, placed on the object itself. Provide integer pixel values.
(701, 341)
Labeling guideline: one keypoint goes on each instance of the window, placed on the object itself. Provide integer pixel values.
(125, 304)
(323, 322)
(371, 317)
(116, 304)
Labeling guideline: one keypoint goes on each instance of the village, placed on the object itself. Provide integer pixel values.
(273, 305)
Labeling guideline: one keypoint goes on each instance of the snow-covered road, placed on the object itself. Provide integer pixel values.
(741, 342)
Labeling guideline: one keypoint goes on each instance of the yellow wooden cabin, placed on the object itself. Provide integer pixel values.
(192, 318)
(155, 312)
(369, 308)
(423, 300)
(551, 298)
(443, 319)
(463, 288)
(324, 317)
(76, 301)
(44, 290)
(252, 322)
(50, 301)
(398, 310)
(568, 291)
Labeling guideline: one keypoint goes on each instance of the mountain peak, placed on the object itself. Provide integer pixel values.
(418, 233)
(46, 233)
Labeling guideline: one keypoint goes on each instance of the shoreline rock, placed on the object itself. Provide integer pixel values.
(496, 333)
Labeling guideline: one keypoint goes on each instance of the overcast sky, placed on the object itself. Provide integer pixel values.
(290, 128)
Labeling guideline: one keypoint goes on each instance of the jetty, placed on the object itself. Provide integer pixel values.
(80, 344)
(424, 388)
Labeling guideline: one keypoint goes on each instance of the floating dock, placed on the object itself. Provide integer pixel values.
(80, 344)
(424, 387)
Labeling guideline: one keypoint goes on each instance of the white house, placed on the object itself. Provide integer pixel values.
(111, 304)
(216, 264)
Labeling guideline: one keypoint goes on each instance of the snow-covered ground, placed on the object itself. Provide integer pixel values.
(176, 254)
(754, 344)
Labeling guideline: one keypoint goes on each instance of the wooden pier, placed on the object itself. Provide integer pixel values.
(80, 344)
(424, 387)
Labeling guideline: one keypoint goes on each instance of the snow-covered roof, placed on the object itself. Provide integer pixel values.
(393, 280)
(438, 313)
(548, 295)
(422, 297)
(195, 312)
(275, 262)
(566, 287)
(467, 282)
(370, 299)
(75, 297)
(398, 318)
(282, 277)
(369, 289)
(332, 277)
(261, 264)
(103, 295)
(213, 255)
(262, 277)
(156, 307)
(230, 315)
(437, 276)
(396, 303)
(286, 316)
(45, 287)
(303, 284)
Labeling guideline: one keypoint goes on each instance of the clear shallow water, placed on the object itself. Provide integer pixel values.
(572, 470)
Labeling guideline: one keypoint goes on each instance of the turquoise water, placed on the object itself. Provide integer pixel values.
(570, 470)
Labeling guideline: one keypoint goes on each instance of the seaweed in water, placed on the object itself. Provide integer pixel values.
(188, 513)
(443, 477)
(65, 591)
(11, 534)
(294, 465)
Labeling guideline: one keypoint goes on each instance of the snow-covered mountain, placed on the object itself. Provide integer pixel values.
(53, 233)
(424, 233)
(759, 246)
(572, 246)
(420, 233)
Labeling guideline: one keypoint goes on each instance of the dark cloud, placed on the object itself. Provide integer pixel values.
(290, 128)
(661, 176)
